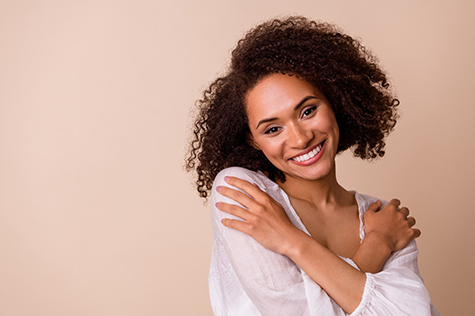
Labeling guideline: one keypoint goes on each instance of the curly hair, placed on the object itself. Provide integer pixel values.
(338, 65)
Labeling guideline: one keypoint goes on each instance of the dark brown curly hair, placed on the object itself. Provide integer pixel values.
(338, 65)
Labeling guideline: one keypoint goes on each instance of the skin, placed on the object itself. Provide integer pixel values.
(289, 117)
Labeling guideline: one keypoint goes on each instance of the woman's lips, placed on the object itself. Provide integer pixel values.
(309, 157)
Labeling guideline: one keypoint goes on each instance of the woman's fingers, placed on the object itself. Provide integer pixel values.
(417, 232)
(236, 195)
(244, 192)
(236, 224)
(395, 202)
(248, 187)
(404, 211)
(392, 222)
(244, 197)
(411, 221)
(233, 210)
(374, 207)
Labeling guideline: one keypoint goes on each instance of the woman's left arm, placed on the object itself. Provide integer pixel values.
(387, 230)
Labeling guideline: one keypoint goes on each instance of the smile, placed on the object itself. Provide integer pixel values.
(310, 154)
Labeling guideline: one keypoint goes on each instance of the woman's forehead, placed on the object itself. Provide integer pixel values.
(278, 92)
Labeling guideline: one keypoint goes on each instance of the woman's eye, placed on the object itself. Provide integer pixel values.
(271, 130)
(308, 111)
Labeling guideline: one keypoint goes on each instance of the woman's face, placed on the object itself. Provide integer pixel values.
(293, 124)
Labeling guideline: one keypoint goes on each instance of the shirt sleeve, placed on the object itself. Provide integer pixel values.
(398, 289)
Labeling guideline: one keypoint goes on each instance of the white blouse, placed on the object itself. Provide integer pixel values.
(247, 279)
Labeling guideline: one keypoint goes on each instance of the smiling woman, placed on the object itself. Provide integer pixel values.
(288, 238)
(293, 124)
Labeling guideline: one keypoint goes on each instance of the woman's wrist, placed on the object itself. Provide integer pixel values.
(296, 244)
(372, 253)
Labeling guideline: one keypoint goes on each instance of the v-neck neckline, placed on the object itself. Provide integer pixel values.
(360, 201)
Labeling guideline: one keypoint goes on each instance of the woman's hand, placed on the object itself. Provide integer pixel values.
(391, 224)
(264, 219)
(387, 230)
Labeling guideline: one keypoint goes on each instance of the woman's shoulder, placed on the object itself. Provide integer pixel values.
(364, 200)
(254, 177)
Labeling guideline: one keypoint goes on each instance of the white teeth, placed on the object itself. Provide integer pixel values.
(309, 155)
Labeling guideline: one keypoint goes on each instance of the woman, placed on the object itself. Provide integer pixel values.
(288, 239)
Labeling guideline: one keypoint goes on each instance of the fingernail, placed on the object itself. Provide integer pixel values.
(218, 188)
(226, 178)
(217, 204)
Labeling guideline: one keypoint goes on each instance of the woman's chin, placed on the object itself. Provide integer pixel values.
(316, 173)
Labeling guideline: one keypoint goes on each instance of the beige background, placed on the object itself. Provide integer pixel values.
(97, 216)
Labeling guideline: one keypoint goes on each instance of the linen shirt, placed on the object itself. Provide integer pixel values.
(246, 279)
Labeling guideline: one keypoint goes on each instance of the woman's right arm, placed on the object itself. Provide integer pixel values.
(274, 283)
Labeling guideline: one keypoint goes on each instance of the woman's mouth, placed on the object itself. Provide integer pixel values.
(309, 155)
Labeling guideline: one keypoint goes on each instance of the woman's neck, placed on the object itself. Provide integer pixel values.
(324, 193)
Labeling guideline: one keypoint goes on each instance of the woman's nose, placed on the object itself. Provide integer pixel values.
(298, 136)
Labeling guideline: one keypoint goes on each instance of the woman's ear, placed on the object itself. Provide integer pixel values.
(252, 142)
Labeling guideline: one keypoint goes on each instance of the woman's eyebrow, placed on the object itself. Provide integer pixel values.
(296, 108)
(265, 121)
(308, 97)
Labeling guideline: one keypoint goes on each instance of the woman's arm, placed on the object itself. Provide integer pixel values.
(274, 284)
(277, 286)
(266, 221)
